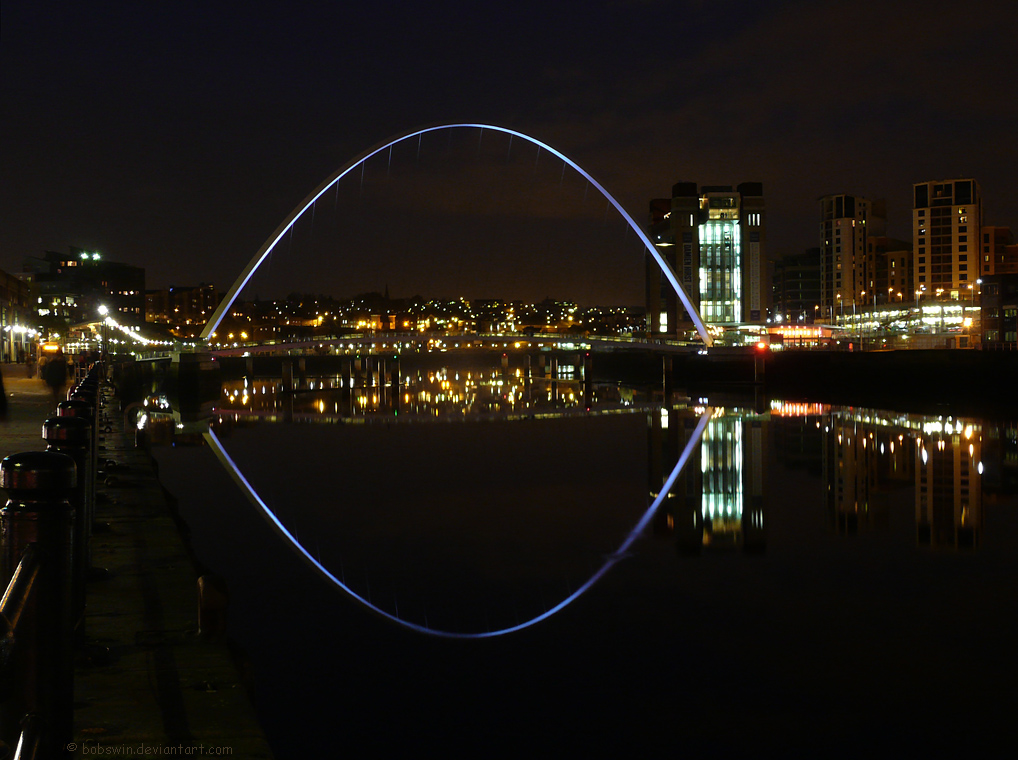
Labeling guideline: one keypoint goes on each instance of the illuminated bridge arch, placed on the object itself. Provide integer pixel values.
(308, 202)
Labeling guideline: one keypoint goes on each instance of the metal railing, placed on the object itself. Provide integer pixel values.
(44, 561)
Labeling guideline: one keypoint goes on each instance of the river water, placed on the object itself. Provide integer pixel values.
(816, 578)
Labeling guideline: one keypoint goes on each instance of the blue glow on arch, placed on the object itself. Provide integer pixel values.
(610, 561)
(308, 202)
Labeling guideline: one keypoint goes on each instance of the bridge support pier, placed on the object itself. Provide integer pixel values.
(394, 383)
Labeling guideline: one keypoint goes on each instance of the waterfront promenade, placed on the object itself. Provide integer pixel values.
(145, 681)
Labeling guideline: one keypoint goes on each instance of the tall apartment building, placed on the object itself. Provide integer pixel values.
(714, 239)
(947, 220)
(846, 224)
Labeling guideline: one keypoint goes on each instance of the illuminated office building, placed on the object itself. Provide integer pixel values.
(70, 287)
(714, 240)
(947, 220)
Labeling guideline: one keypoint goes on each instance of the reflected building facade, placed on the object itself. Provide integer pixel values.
(949, 468)
(867, 453)
(718, 500)
(861, 461)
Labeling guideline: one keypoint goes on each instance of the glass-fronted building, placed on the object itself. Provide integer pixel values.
(713, 238)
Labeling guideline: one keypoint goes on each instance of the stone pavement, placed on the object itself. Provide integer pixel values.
(145, 683)
(29, 403)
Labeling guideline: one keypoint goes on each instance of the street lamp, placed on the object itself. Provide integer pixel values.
(104, 335)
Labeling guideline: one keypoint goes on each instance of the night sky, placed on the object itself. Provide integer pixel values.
(177, 136)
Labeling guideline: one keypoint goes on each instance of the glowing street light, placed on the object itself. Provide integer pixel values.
(104, 313)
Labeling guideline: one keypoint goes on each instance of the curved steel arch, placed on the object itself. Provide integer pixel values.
(317, 193)
(694, 440)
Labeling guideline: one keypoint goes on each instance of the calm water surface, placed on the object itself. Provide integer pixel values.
(823, 579)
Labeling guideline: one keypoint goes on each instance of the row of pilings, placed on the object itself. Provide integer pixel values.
(384, 375)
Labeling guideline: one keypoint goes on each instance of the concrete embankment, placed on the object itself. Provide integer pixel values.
(145, 681)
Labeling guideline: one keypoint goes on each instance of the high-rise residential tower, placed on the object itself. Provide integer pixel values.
(947, 220)
(846, 224)
(714, 239)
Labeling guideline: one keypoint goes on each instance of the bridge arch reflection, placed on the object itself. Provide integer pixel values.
(234, 471)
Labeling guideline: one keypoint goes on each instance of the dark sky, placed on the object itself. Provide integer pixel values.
(177, 136)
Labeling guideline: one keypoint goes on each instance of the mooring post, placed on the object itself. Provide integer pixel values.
(79, 409)
(71, 436)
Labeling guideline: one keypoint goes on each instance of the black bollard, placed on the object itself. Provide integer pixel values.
(77, 407)
(72, 436)
(38, 513)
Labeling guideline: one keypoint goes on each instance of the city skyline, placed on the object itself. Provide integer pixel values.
(178, 142)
